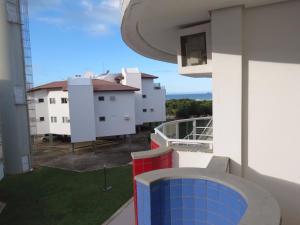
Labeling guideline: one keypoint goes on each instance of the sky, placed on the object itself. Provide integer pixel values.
(70, 37)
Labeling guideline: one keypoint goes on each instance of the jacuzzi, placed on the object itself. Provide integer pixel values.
(192, 196)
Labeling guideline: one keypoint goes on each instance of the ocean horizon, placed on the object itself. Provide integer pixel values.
(194, 96)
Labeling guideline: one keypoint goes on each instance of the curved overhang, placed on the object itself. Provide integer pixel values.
(151, 27)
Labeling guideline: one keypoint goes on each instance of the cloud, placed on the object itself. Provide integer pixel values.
(94, 17)
(51, 20)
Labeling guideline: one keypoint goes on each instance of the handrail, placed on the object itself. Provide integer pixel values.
(170, 140)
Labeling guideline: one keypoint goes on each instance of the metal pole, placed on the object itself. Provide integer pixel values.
(106, 188)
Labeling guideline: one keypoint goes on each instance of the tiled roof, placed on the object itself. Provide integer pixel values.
(148, 76)
(119, 76)
(99, 86)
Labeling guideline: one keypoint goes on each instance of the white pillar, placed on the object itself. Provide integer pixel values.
(13, 108)
(227, 84)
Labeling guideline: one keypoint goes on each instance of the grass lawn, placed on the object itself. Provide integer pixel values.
(56, 197)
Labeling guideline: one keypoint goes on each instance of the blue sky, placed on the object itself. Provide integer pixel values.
(69, 37)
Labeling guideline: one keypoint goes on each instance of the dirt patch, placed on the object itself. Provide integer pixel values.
(60, 155)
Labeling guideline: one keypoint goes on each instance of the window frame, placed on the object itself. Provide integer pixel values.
(53, 119)
(65, 119)
(204, 70)
(52, 101)
(64, 102)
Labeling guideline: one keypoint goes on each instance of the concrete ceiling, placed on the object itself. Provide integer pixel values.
(150, 27)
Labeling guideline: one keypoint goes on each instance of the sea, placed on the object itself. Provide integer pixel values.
(196, 96)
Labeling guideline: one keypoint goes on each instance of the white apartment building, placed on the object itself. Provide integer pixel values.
(94, 106)
(251, 50)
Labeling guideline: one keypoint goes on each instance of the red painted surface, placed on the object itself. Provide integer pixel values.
(148, 164)
(154, 145)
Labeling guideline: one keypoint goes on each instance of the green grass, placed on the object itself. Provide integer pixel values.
(56, 197)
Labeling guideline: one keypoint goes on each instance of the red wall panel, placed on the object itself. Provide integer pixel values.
(149, 164)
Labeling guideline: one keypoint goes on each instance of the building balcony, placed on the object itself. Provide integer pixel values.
(158, 86)
(151, 27)
(194, 134)
(181, 181)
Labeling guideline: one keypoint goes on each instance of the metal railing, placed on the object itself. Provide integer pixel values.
(194, 131)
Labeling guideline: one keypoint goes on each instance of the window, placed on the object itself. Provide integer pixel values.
(144, 110)
(101, 98)
(102, 118)
(112, 98)
(64, 100)
(41, 100)
(65, 119)
(144, 96)
(42, 119)
(152, 110)
(53, 119)
(52, 100)
(193, 49)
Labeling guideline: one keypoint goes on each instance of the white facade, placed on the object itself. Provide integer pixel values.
(46, 110)
(256, 81)
(119, 112)
(76, 108)
(82, 109)
(150, 100)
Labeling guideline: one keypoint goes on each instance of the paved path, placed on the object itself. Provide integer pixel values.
(124, 216)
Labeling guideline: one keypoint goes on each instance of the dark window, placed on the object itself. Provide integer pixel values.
(64, 100)
(42, 119)
(144, 110)
(152, 110)
(193, 50)
(101, 98)
(52, 100)
(53, 119)
(65, 119)
(102, 118)
(41, 100)
(144, 96)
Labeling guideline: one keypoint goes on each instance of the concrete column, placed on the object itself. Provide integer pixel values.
(227, 84)
(13, 108)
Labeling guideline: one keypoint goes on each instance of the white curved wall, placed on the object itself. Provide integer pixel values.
(190, 159)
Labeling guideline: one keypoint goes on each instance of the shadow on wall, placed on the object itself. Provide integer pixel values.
(286, 193)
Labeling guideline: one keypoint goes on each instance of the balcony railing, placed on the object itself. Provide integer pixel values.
(157, 86)
(194, 131)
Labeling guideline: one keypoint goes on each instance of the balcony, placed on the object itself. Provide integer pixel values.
(157, 86)
(194, 133)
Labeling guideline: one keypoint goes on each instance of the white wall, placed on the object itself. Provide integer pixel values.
(256, 89)
(115, 113)
(190, 159)
(59, 111)
(41, 110)
(155, 99)
(132, 77)
(272, 63)
(227, 84)
(82, 112)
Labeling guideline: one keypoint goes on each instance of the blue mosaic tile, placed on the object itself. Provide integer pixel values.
(189, 202)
